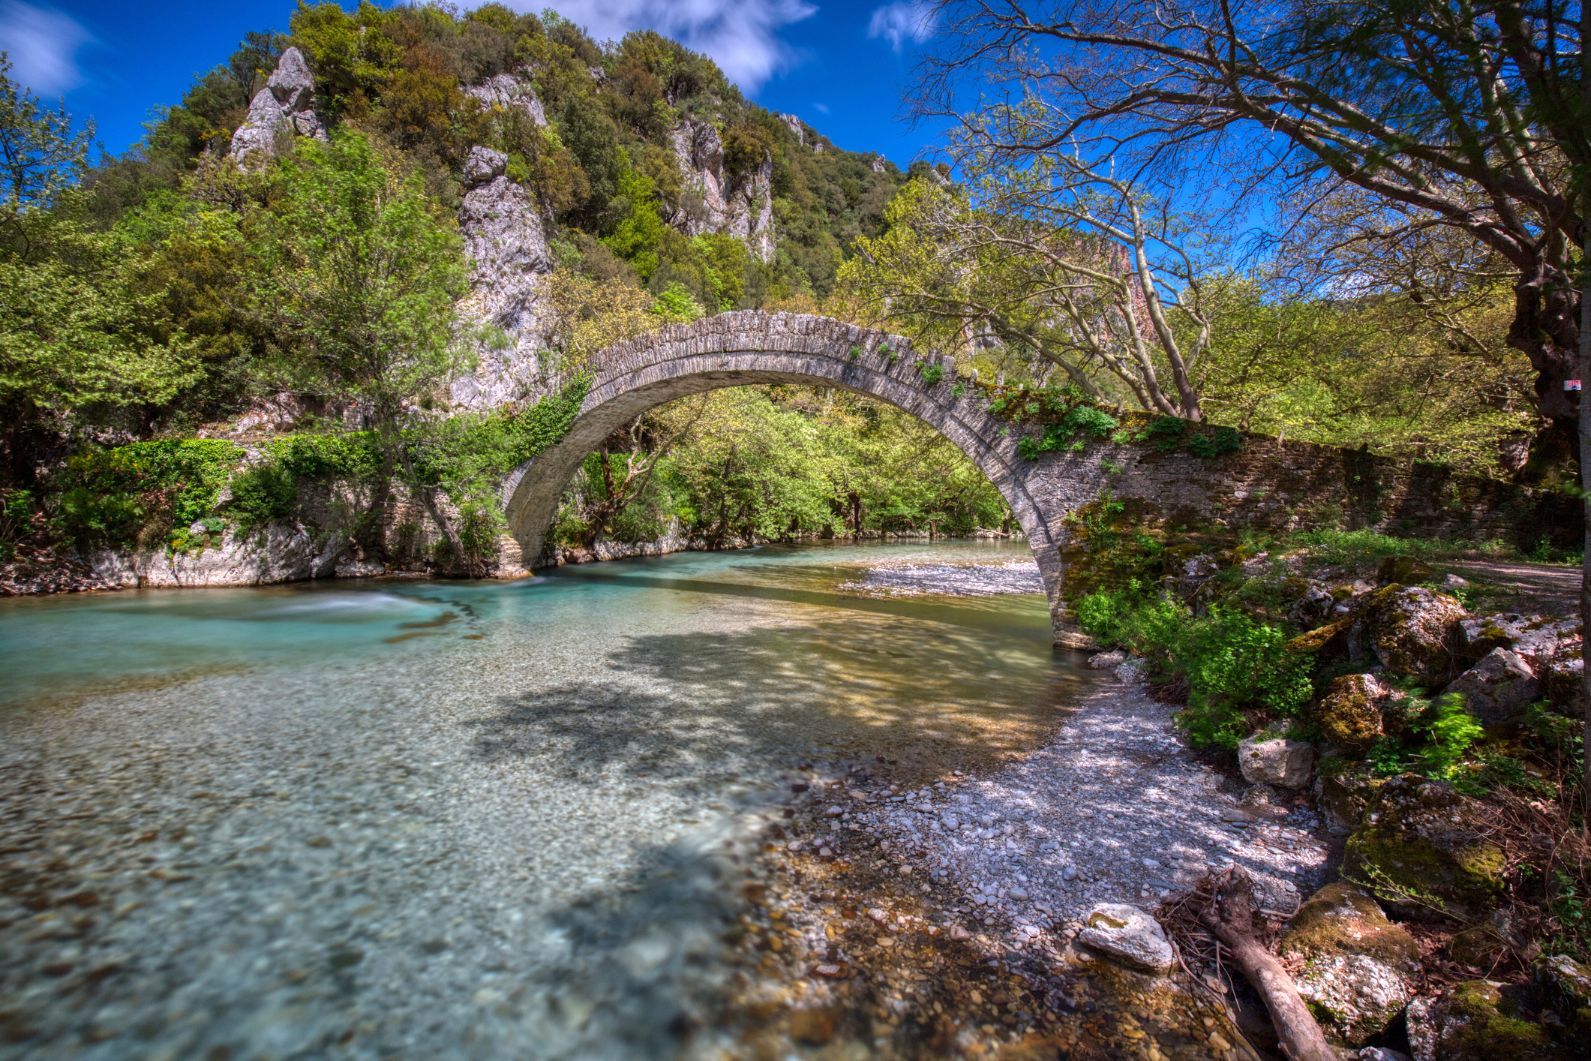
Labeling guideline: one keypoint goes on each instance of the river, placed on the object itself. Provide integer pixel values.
(493, 819)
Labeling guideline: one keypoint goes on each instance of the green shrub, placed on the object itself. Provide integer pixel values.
(1215, 442)
(1070, 432)
(140, 492)
(1449, 731)
(261, 495)
(351, 455)
(931, 372)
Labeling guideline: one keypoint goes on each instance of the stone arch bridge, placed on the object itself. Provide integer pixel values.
(1265, 483)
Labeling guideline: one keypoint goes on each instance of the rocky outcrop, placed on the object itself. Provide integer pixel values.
(1129, 936)
(1498, 688)
(505, 92)
(284, 108)
(1343, 793)
(280, 553)
(1270, 758)
(796, 126)
(507, 246)
(714, 200)
(1420, 850)
(1356, 969)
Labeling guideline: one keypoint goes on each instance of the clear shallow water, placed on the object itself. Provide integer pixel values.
(494, 818)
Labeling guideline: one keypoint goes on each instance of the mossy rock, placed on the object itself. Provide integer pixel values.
(1478, 1020)
(1325, 643)
(1349, 712)
(1413, 631)
(1344, 791)
(1478, 946)
(1419, 852)
(1404, 570)
(1356, 969)
(1565, 985)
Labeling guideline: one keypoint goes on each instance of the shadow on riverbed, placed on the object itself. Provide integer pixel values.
(934, 696)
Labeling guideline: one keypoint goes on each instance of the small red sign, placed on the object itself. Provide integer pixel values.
(1571, 384)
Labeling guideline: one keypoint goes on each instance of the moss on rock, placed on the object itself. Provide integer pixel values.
(1419, 851)
(1477, 1020)
(1349, 712)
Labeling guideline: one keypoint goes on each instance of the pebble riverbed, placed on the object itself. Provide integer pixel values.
(482, 819)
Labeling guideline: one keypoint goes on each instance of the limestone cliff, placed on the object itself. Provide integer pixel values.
(506, 241)
(714, 200)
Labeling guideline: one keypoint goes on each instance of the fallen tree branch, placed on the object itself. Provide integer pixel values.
(1223, 905)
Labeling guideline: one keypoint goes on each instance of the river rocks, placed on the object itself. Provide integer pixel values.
(1498, 688)
(1476, 1020)
(1107, 660)
(1358, 969)
(1270, 758)
(1349, 712)
(714, 199)
(1411, 630)
(1421, 852)
(507, 246)
(1128, 935)
(282, 109)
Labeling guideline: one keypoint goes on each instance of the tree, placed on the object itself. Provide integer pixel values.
(1056, 262)
(1472, 115)
(76, 338)
(359, 278)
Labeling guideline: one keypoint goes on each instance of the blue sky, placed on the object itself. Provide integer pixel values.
(842, 67)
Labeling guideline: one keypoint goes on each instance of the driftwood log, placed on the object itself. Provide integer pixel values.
(1223, 905)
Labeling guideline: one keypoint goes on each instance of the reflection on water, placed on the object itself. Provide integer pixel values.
(495, 818)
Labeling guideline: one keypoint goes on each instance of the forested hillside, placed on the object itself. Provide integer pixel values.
(360, 252)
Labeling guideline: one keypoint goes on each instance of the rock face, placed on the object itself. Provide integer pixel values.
(1412, 631)
(1128, 935)
(1498, 688)
(1269, 758)
(1358, 969)
(505, 92)
(1475, 1021)
(1420, 850)
(1349, 712)
(1343, 796)
(281, 553)
(797, 128)
(713, 200)
(507, 245)
(282, 109)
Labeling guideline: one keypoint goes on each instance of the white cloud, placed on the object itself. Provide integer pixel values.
(741, 36)
(903, 21)
(821, 108)
(42, 44)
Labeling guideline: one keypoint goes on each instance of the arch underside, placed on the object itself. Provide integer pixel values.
(616, 398)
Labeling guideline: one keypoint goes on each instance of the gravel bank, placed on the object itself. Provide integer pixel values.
(969, 579)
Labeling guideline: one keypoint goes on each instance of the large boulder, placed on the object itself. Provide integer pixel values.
(1403, 570)
(1349, 712)
(506, 93)
(1128, 935)
(1412, 631)
(1498, 688)
(1420, 850)
(1269, 757)
(1356, 969)
(1476, 1020)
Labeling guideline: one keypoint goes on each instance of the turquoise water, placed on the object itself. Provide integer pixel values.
(492, 818)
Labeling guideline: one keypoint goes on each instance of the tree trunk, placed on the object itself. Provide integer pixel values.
(1585, 481)
(1232, 922)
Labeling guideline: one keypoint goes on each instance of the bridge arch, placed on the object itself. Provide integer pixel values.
(749, 347)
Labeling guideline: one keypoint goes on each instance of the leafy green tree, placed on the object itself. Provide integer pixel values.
(76, 340)
(359, 277)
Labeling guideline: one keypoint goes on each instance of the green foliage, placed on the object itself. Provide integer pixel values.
(262, 494)
(1237, 670)
(931, 372)
(351, 455)
(1070, 432)
(361, 276)
(143, 491)
(1449, 731)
